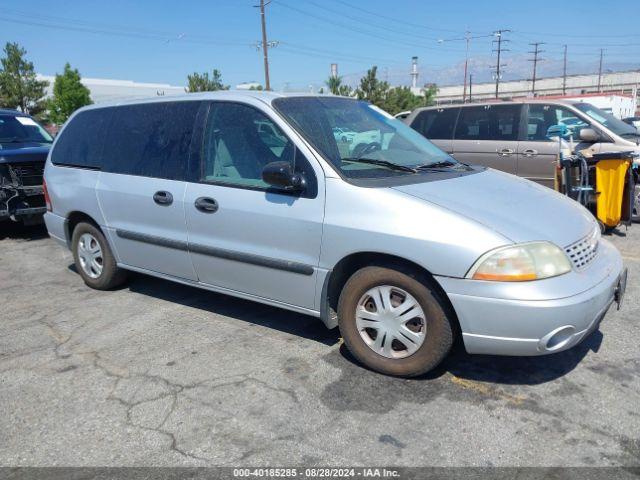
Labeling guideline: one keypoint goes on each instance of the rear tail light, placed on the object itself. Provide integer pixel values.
(47, 200)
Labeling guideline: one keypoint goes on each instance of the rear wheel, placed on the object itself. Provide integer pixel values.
(93, 258)
(393, 323)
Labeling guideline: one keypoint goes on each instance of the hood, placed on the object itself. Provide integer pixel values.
(23, 152)
(516, 208)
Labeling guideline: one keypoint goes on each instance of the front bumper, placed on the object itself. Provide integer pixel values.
(535, 318)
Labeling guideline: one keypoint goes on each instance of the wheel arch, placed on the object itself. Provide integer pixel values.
(73, 219)
(347, 266)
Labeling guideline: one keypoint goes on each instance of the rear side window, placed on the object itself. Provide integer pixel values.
(150, 140)
(489, 122)
(80, 143)
(436, 124)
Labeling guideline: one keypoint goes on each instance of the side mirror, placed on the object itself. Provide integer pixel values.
(281, 175)
(589, 135)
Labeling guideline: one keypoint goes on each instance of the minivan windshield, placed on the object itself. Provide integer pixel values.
(22, 129)
(608, 120)
(359, 139)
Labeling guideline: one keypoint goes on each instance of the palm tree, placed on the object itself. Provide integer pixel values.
(334, 84)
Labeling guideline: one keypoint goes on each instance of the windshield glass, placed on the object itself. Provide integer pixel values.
(17, 129)
(359, 139)
(608, 120)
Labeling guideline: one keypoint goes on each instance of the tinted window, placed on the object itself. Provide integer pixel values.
(436, 124)
(489, 122)
(80, 143)
(541, 117)
(150, 140)
(239, 141)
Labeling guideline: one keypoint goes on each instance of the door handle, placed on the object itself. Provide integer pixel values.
(505, 152)
(529, 152)
(206, 204)
(163, 197)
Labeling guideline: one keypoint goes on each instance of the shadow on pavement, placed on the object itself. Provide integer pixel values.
(507, 370)
(18, 231)
(243, 310)
(484, 368)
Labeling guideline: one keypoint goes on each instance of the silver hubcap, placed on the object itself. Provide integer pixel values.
(90, 255)
(391, 322)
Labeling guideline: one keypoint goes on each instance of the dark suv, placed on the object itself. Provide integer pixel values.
(24, 146)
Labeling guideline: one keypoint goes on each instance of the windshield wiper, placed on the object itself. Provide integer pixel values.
(382, 163)
(443, 163)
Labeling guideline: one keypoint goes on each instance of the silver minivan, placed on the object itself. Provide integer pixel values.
(383, 234)
(512, 136)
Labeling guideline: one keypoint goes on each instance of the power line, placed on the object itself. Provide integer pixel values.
(535, 60)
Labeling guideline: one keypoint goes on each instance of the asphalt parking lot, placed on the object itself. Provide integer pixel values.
(161, 374)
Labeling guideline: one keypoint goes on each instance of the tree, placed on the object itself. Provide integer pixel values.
(69, 94)
(258, 87)
(200, 82)
(400, 99)
(372, 89)
(429, 95)
(19, 87)
(336, 86)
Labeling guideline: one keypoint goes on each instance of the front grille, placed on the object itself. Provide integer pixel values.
(584, 251)
(28, 174)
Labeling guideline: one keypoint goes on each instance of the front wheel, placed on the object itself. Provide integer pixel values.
(393, 323)
(94, 260)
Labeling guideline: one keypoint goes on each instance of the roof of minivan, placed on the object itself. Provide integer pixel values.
(8, 111)
(562, 101)
(266, 97)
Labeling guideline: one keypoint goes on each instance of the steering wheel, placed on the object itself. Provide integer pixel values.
(362, 149)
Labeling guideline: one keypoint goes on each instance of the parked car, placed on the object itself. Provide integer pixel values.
(512, 136)
(402, 247)
(633, 121)
(24, 146)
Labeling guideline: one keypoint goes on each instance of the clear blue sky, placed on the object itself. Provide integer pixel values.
(163, 41)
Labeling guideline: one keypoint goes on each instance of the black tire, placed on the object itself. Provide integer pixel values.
(439, 327)
(111, 275)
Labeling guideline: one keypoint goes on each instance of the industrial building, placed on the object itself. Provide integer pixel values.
(625, 83)
(105, 90)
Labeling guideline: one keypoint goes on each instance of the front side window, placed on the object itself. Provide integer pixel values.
(358, 139)
(541, 117)
(489, 122)
(240, 141)
(150, 140)
(22, 129)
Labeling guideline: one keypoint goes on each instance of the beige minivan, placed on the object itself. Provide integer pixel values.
(512, 136)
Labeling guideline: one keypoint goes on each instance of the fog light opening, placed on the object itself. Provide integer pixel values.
(558, 338)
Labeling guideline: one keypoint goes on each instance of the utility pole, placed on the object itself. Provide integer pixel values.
(265, 45)
(535, 60)
(600, 71)
(467, 39)
(499, 50)
(470, 85)
(564, 72)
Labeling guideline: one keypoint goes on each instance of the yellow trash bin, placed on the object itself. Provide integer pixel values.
(610, 181)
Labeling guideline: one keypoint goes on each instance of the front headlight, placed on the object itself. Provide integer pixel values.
(519, 263)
